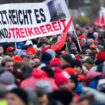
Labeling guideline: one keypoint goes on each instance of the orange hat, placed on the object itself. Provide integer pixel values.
(17, 58)
(31, 51)
(93, 46)
(9, 49)
(70, 71)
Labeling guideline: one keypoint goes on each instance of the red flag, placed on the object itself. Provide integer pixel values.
(97, 21)
(62, 39)
(103, 20)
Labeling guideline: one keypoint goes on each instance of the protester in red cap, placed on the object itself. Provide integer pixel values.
(61, 81)
(31, 51)
(55, 62)
(37, 75)
(10, 51)
(17, 58)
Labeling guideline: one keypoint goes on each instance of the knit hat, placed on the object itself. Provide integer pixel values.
(90, 41)
(55, 62)
(51, 52)
(95, 34)
(78, 57)
(77, 63)
(101, 56)
(22, 94)
(6, 77)
(67, 58)
(31, 51)
(57, 70)
(45, 58)
(64, 96)
(74, 79)
(44, 85)
(17, 58)
(37, 73)
(100, 47)
(9, 49)
(81, 37)
(89, 60)
(101, 85)
(60, 79)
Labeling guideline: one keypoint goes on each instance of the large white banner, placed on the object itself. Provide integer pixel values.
(22, 21)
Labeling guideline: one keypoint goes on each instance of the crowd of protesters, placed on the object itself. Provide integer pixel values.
(33, 74)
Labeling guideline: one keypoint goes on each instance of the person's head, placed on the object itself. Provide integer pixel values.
(34, 61)
(44, 86)
(90, 29)
(88, 63)
(79, 32)
(95, 34)
(10, 51)
(17, 97)
(55, 62)
(73, 82)
(87, 100)
(78, 66)
(46, 58)
(61, 81)
(31, 51)
(66, 60)
(64, 96)
(1, 50)
(88, 52)
(26, 71)
(7, 63)
(6, 78)
(42, 98)
(49, 71)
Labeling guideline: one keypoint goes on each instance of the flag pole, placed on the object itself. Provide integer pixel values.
(78, 44)
(77, 41)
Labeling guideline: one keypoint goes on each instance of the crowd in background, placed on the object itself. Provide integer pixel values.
(33, 74)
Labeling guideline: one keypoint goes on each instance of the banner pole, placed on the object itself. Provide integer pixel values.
(15, 46)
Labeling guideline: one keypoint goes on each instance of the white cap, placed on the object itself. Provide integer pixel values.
(28, 42)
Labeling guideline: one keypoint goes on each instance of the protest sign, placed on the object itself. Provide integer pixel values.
(22, 21)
